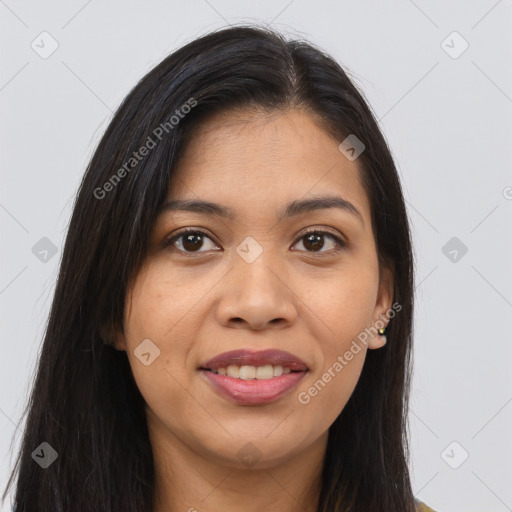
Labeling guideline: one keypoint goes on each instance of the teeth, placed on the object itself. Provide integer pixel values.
(233, 371)
(247, 372)
(253, 372)
(264, 372)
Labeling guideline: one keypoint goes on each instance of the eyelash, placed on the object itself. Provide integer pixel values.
(340, 244)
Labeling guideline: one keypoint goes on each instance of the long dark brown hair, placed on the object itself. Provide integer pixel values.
(85, 402)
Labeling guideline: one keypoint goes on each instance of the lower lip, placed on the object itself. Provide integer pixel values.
(253, 391)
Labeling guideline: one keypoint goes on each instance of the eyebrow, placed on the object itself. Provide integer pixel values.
(292, 209)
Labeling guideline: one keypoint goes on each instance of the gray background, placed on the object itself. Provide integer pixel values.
(447, 119)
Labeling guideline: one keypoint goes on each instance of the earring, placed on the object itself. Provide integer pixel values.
(382, 334)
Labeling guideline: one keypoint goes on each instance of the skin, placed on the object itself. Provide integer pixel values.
(196, 305)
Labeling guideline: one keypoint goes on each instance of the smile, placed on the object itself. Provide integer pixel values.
(251, 378)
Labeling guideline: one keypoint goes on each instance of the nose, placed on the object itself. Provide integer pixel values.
(256, 296)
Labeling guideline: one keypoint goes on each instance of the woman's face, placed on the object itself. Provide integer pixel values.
(255, 281)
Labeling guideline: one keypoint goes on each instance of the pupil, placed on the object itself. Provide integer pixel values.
(194, 244)
(314, 241)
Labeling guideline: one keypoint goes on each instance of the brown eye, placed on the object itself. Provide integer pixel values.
(194, 241)
(314, 241)
(191, 240)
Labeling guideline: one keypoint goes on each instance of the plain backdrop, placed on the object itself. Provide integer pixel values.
(438, 76)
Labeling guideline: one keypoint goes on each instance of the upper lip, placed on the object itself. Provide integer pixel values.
(244, 357)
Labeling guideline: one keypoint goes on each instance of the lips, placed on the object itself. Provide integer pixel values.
(261, 358)
(289, 371)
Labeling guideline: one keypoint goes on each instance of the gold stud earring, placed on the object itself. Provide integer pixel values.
(382, 334)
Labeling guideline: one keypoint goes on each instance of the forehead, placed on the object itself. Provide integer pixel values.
(250, 159)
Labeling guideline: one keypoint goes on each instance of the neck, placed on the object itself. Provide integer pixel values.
(189, 481)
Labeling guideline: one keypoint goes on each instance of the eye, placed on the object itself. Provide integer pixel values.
(313, 241)
(190, 240)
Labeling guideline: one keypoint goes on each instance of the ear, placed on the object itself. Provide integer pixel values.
(120, 339)
(382, 305)
(113, 336)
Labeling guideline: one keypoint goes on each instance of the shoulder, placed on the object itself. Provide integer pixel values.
(421, 507)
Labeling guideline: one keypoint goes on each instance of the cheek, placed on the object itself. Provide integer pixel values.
(165, 305)
(156, 312)
(345, 303)
(162, 377)
(326, 393)
(345, 306)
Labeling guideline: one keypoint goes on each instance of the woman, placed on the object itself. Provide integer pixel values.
(232, 319)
